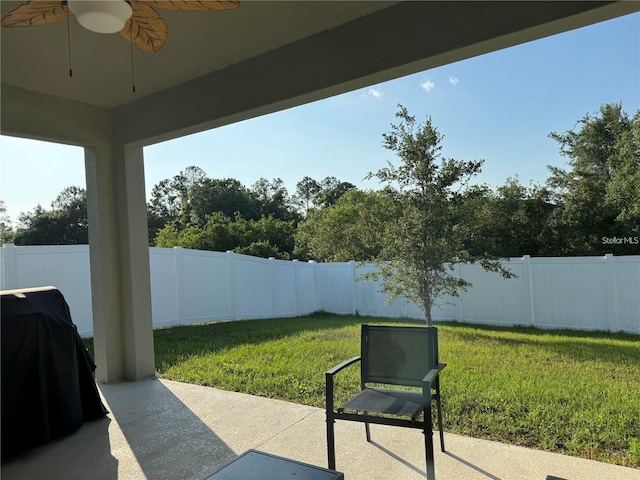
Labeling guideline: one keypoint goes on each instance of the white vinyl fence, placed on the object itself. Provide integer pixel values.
(191, 286)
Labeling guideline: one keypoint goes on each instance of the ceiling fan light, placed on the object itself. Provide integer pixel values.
(101, 16)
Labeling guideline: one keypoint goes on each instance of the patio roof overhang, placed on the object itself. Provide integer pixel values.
(218, 68)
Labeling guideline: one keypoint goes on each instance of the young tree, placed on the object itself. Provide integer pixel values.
(429, 235)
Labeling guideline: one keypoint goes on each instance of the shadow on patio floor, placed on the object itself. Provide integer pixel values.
(159, 429)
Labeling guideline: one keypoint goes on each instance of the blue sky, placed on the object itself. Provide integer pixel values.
(499, 107)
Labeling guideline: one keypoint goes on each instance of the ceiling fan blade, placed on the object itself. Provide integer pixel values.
(193, 4)
(145, 29)
(36, 13)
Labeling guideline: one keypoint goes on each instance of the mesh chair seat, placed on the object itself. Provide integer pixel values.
(386, 402)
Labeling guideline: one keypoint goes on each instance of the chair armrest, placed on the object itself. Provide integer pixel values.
(428, 379)
(342, 366)
(329, 382)
(433, 373)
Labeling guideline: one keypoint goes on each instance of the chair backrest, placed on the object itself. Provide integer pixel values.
(397, 355)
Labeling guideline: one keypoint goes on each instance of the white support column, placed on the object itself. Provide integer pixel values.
(119, 256)
(135, 275)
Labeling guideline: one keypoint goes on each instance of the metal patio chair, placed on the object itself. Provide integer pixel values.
(392, 357)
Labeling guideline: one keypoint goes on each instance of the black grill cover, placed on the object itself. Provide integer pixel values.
(48, 389)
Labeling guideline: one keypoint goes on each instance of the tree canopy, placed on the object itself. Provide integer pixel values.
(170, 200)
(351, 229)
(6, 230)
(312, 194)
(599, 194)
(223, 214)
(65, 224)
(510, 221)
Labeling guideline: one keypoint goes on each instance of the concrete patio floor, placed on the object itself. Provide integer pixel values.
(159, 429)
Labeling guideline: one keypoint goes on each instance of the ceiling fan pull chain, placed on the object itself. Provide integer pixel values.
(133, 73)
(69, 40)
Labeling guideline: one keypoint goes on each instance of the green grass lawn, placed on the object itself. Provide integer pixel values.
(571, 392)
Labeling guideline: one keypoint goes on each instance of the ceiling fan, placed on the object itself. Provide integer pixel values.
(135, 20)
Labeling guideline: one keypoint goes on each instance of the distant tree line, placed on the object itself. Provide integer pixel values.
(64, 224)
(194, 211)
(590, 208)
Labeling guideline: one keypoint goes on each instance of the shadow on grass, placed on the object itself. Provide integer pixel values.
(180, 340)
(175, 344)
(578, 345)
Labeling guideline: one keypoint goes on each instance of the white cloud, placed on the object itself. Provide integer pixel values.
(453, 80)
(427, 85)
(375, 92)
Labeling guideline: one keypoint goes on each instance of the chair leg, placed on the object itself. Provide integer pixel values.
(331, 445)
(439, 407)
(428, 445)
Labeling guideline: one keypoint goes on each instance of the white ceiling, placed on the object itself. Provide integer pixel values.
(199, 42)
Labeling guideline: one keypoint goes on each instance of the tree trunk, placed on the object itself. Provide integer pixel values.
(427, 309)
